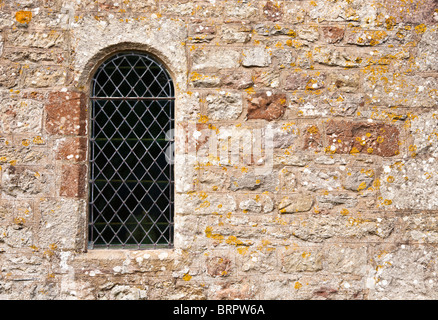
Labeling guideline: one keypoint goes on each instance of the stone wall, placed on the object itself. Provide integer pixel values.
(340, 96)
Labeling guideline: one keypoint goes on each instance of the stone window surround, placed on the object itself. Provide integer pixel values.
(88, 60)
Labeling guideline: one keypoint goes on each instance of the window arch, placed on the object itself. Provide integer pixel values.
(131, 179)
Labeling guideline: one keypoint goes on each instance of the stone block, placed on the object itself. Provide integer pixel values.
(73, 149)
(215, 59)
(296, 203)
(224, 105)
(44, 76)
(9, 75)
(256, 57)
(314, 179)
(27, 182)
(42, 40)
(302, 260)
(349, 137)
(358, 180)
(266, 105)
(60, 224)
(305, 81)
(250, 182)
(333, 34)
(73, 181)
(66, 113)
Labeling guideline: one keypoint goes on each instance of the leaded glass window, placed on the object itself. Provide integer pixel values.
(131, 175)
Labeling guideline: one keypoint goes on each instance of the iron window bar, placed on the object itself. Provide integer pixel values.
(131, 199)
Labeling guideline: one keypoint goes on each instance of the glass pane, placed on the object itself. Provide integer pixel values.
(131, 181)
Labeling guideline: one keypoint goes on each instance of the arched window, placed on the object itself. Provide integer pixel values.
(131, 179)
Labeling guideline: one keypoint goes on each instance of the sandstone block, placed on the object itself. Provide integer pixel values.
(333, 34)
(72, 149)
(266, 105)
(66, 113)
(350, 137)
(73, 181)
(296, 203)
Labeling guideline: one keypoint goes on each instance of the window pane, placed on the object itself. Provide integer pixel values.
(131, 181)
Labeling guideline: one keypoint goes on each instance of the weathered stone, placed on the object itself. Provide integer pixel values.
(320, 228)
(202, 203)
(59, 226)
(218, 266)
(204, 80)
(314, 179)
(331, 200)
(190, 106)
(327, 105)
(359, 180)
(408, 12)
(300, 81)
(266, 105)
(43, 77)
(66, 113)
(333, 34)
(285, 135)
(364, 12)
(312, 138)
(398, 90)
(249, 181)
(307, 260)
(267, 79)
(238, 80)
(215, 59)
(256, 57)
(224, 105)
(21, 116)
(24, 182)
(308, 33)
(235, 33)
(347, 260)
(72, 149)
(427, 58)
(402, 270)
(273, 11)
(362, 137)
(348, 82)
(73, 181)
(367, 38)
(9, 75)
(296, 203)
(250, 205)
(237, 11)
(341, 57)
(44, 40)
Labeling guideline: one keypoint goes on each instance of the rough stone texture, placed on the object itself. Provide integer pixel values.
(360, 137)
(224, 106)
(266, 105)
(323, 180)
